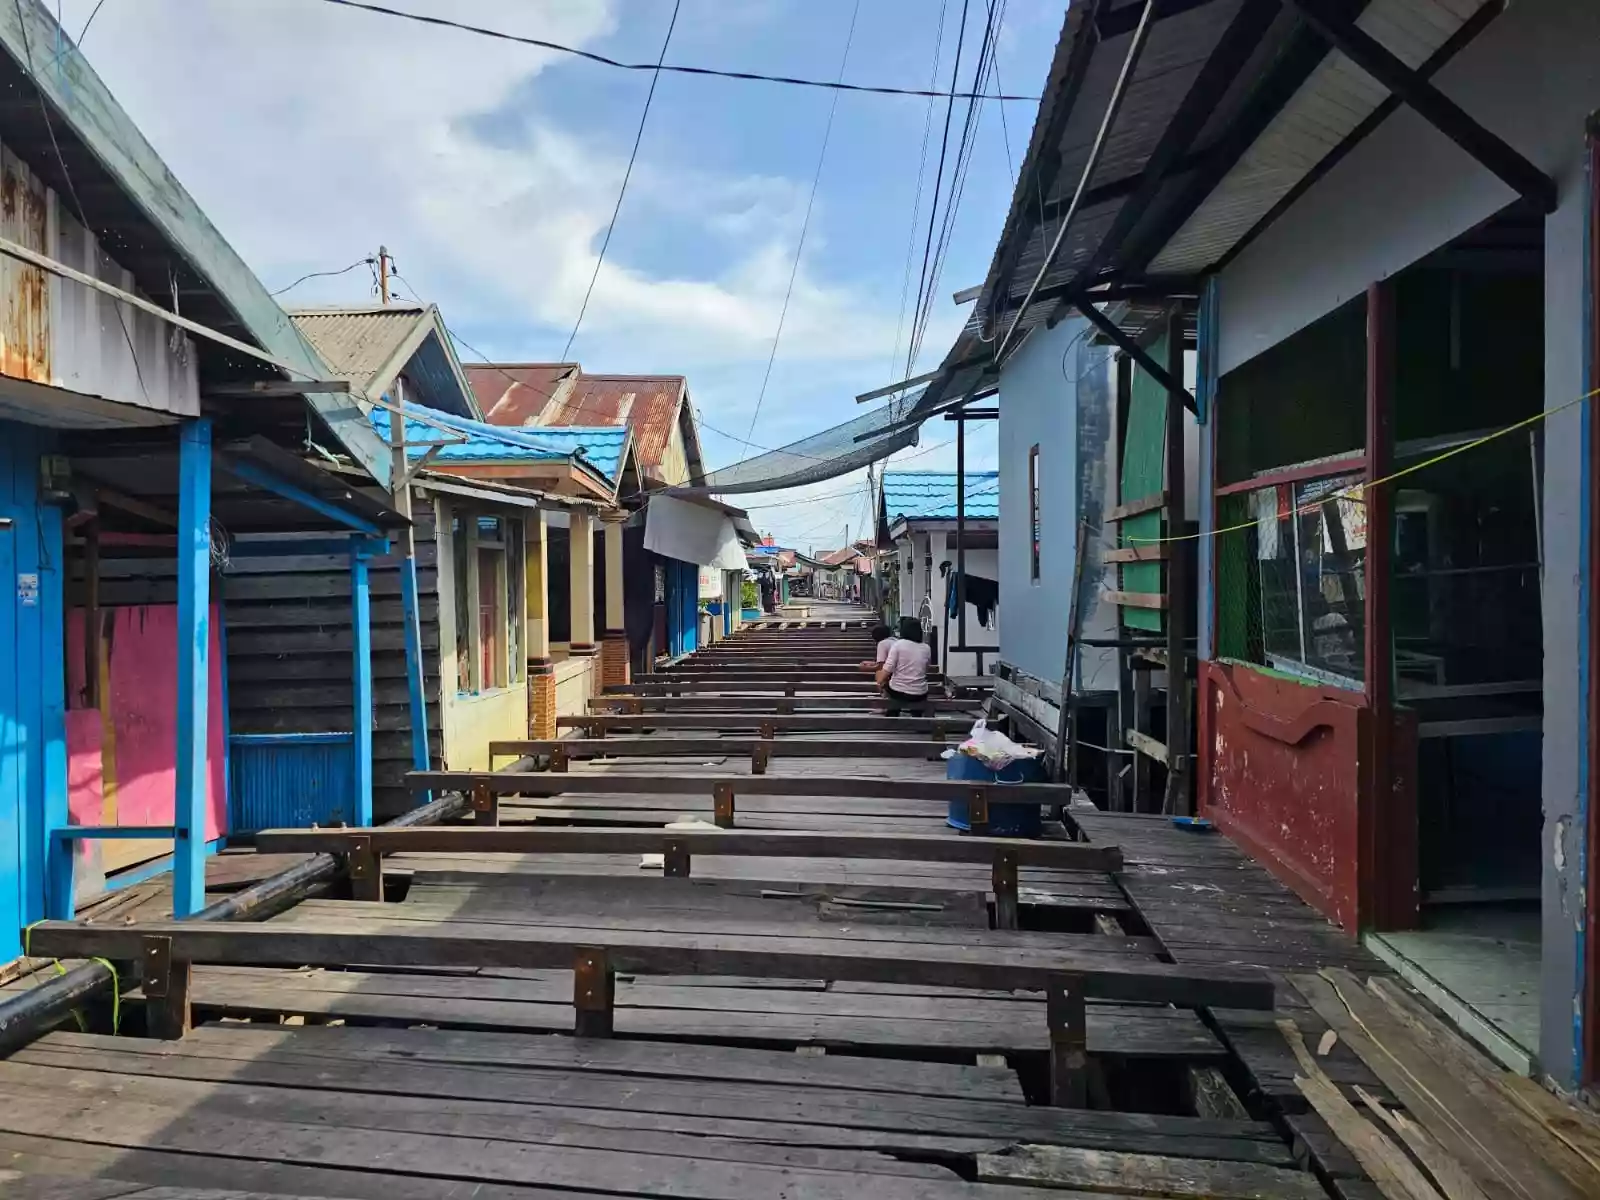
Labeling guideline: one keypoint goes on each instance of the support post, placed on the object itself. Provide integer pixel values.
(614, 649)
(485, 805)
(411, 612)
(593, 993)
(361, 625)
(722, 804)
(675, 862)
(165, 984)
(1069, 1042)
(366, 870)
(961, 531)
(194, 644)
(1378, 662)
(1004, 879)
(580, 582)
(536, 589)
(1179, 619)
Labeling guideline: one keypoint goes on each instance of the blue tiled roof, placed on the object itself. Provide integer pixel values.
(931, 495)
(600, 447)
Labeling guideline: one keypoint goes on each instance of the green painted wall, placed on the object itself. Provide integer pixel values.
(1144, 453)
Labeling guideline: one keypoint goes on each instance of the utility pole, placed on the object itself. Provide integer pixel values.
(383, 274)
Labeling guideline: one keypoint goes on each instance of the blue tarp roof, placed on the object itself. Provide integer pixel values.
(931, 495)
(600, 447)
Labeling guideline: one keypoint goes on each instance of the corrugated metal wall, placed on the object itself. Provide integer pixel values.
(290, 780)
(289, 653)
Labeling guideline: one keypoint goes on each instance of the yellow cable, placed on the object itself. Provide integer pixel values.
(1354, 490)
(116, 982)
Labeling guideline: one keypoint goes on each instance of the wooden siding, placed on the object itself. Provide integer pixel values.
(289, 653)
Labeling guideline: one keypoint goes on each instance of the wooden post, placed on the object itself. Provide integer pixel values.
(366, 870)
(722, 803)
(1141, 724)
(361, 673)
(558, 759)
(760, 757)
(675, 863)
(1004, 879)
(165, 984)
(410, 605)
(978, 811)
(485, 805)
(1069, 1042)
(194, 677)
(593, 993)
(1179, 618)
(1383, 866)
(91, 614)
(580, 582)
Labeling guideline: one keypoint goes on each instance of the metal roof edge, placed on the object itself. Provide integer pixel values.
(100, 124)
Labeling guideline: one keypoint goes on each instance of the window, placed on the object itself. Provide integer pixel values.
(491, 606)
(516, 613)
(1033, 513)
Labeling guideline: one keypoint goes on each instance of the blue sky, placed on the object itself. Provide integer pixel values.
(311, 133)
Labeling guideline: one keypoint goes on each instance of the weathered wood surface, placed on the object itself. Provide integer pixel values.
(781, 956)
(768, 703)
(839, 722)
(663, 747)
(545, 783)
(906, 847)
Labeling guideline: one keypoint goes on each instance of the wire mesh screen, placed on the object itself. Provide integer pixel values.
(1291, 578)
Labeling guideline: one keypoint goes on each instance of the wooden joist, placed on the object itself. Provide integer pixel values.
(600, 724)
(859, 684)
(1135, 554)
(1154, 600)
(746, 705)
(168, 951)
(1146, 745)
(1136, 508)
(761, 750)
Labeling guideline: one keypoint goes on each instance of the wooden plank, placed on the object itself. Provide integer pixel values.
(1099, 1171)
(1479, 1130)
(1136, 599)
(1211, 1095)
(482, 839)
(735, 687)
(1145, 744)
(1133, 554)
(1136, 508)
(665, 953)
(544, 783)
(667, 747)
(840, 722)
(1394, 1174)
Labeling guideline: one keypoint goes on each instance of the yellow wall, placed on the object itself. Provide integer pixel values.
(472, 722)
(674, 461)
(577, 679)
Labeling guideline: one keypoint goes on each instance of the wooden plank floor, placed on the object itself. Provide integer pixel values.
(398, 1084)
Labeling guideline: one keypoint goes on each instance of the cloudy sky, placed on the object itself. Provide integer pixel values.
(311, 133)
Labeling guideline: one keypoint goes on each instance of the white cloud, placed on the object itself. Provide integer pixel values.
(311, 133)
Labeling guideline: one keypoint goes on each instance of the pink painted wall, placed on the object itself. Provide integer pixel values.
(141, 648)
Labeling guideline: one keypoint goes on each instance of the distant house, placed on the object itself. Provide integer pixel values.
(917, 518)
(678, 552)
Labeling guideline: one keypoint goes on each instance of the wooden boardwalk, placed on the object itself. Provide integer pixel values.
(768, 1019)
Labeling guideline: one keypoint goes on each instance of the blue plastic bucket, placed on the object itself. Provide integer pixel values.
(1005, 820)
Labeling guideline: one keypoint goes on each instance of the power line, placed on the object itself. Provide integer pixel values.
(805, 224)
(605, 61)
(626, 175)
(360, 262)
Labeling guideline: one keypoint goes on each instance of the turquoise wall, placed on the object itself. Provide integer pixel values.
(33, 748)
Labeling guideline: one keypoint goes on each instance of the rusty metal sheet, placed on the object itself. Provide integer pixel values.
(25, 319)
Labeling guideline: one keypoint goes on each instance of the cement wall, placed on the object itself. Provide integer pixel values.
(1055, 394)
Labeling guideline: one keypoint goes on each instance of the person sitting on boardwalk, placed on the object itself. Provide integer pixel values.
(904, 673)
(883, 636)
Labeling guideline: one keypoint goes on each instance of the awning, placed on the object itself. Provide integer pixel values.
(692, 533)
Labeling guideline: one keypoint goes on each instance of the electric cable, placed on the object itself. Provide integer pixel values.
(360, 262)
(805, 223)
(626, 176)
(606, 61)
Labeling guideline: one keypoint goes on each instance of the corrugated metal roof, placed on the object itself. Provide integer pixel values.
(516, 393)
(931, 495)
(600, 448)
(552, 395)
(370, 345)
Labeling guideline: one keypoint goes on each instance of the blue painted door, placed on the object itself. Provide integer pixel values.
(13, 733)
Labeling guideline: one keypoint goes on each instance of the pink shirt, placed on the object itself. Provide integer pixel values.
(907, 664)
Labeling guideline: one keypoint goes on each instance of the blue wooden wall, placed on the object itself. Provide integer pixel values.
(33, 746)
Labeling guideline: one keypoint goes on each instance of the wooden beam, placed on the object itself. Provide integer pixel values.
(1135, 508)
(273, 388)
(674, 747)
(553, 947)
(1146, 745)
(1138, 353)
(1137, 599)
(1127, 554)
(762, 843)
(111, 498)
(1444, 114)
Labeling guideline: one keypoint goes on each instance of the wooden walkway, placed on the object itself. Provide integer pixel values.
(763, 1018)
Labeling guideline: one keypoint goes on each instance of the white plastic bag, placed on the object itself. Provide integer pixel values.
(994, 749)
